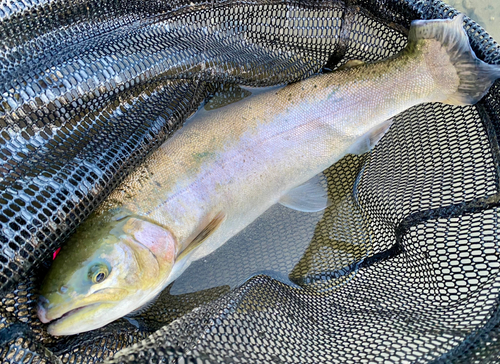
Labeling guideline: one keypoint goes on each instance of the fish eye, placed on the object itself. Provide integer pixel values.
(98, 273)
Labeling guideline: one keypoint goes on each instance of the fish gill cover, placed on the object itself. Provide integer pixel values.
(90, 88)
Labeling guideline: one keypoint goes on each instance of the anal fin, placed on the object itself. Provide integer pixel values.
(311, 196)
(367, 141)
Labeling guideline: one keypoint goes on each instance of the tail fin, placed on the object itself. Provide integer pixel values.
(476, 76)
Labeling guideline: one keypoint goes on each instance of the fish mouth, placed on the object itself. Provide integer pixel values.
(75, 321)
(69, 318)
(42, 314)
(69, 313)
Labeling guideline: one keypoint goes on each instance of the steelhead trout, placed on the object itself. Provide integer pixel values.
(227, 166)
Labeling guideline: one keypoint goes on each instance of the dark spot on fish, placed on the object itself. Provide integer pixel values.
(158, 184)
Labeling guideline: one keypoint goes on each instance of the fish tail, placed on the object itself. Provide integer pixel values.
(475, 76)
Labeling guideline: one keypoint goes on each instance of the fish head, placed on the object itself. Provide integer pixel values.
(106, 270)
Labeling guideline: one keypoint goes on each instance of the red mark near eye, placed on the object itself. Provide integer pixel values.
(55, 253)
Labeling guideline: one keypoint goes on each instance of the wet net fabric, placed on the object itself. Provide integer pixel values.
(404, 266)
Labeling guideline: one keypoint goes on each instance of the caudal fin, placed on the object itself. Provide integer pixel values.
(476, 76)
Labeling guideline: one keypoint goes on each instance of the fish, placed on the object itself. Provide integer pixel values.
(227, 166)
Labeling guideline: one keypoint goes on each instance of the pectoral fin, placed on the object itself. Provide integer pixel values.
(367, 141)
(311, 196)
(203, 234)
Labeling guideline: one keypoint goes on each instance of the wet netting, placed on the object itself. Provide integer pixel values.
(403, 267)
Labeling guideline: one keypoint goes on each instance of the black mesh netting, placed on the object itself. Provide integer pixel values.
(404, 266)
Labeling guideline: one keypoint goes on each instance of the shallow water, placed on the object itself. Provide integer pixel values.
(485, 12)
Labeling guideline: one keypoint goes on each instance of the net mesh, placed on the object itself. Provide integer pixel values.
(405, 269)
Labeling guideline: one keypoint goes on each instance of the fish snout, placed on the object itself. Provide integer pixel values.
(43, 304)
